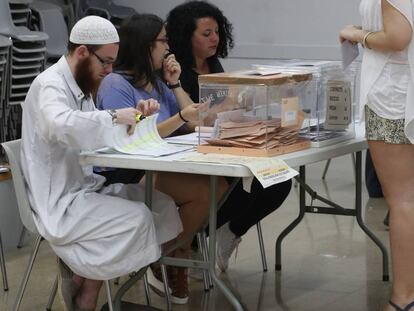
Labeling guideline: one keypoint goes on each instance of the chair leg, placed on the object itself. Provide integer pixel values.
(52, 295)
(21, 238)
(109, 295)
(23, 285)
(147, 291)
(3, 267)
(166, 287)
(261, 245)
(205, 258)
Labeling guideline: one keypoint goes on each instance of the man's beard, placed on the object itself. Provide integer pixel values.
(84, 77)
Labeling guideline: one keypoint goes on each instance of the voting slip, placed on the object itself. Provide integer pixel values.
(349, 53)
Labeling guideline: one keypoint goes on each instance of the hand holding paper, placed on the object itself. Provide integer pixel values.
(349, 52)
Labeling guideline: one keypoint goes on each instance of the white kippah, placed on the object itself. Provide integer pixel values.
(93, 30)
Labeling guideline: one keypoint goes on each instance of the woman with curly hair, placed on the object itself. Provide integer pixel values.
(199, 34)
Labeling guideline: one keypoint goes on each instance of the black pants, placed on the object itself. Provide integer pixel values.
(244, 210)
(122, 175)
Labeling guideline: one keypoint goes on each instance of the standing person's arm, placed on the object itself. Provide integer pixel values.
(395, 36)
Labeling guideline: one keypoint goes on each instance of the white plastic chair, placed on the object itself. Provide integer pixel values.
(12, 149)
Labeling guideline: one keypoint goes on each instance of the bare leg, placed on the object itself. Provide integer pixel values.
(395, 168)
(191, 194)
(87, 296)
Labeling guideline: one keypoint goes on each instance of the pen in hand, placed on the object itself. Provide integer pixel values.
(139, 117)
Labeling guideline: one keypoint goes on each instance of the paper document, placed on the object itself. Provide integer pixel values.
(145, 140)
(269, 171)
(349, 52)
(187, 139)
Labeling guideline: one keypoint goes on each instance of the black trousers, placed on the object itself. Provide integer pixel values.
(122, 175)
(243, 210)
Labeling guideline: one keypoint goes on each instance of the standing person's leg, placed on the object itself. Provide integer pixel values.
(395, 169)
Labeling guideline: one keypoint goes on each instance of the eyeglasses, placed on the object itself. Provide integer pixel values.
(162, 40)
(103, 62)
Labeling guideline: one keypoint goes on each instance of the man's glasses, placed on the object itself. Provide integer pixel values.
(103, 62)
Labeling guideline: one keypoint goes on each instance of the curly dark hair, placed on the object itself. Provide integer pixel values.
(181, 23)
(137, 35)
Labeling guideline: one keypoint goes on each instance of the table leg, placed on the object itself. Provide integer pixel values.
(212, 246)
(358, 207)
(288, 229)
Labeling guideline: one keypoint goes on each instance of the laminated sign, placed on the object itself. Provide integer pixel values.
(290, 108)
(338, 105)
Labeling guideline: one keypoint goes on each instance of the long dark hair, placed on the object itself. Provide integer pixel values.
(137, 35)
(181, 23)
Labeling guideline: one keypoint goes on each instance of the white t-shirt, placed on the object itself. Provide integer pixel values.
(387, 96)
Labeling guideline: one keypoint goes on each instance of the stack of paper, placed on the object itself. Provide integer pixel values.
(144, 141)
(254, 134)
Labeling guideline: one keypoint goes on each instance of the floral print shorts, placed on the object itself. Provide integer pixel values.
(389, 131)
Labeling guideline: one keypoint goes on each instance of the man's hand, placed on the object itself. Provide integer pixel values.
(127, 116)
(172, 69)
(148, 107)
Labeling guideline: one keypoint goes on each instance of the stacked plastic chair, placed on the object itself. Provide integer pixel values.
(68, 8)
(28, 54)
(105, 8)
(48, 17)
(20, 12)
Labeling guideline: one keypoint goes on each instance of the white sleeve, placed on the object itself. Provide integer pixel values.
(85, 130)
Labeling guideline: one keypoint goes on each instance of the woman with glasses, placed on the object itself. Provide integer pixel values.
(143, 52)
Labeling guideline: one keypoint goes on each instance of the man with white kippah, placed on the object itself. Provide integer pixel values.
(98, 232)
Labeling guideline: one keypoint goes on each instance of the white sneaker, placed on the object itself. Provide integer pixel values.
(227, 242)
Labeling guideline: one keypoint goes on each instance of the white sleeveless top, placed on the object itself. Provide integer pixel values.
(386, 82)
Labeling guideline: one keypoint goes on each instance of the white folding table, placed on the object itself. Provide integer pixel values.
(214, 170)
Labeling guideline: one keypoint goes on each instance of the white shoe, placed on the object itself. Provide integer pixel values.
(155, 282)
(227, 242)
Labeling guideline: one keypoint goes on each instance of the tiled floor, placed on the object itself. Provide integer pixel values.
(328, 262)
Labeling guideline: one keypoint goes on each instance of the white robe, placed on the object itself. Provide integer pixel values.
(373, 62)
(99, 232)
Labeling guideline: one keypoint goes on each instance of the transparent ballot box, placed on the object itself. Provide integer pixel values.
(252, 114)
(332, 101)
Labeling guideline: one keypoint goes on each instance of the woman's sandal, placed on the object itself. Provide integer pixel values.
(397, 308)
